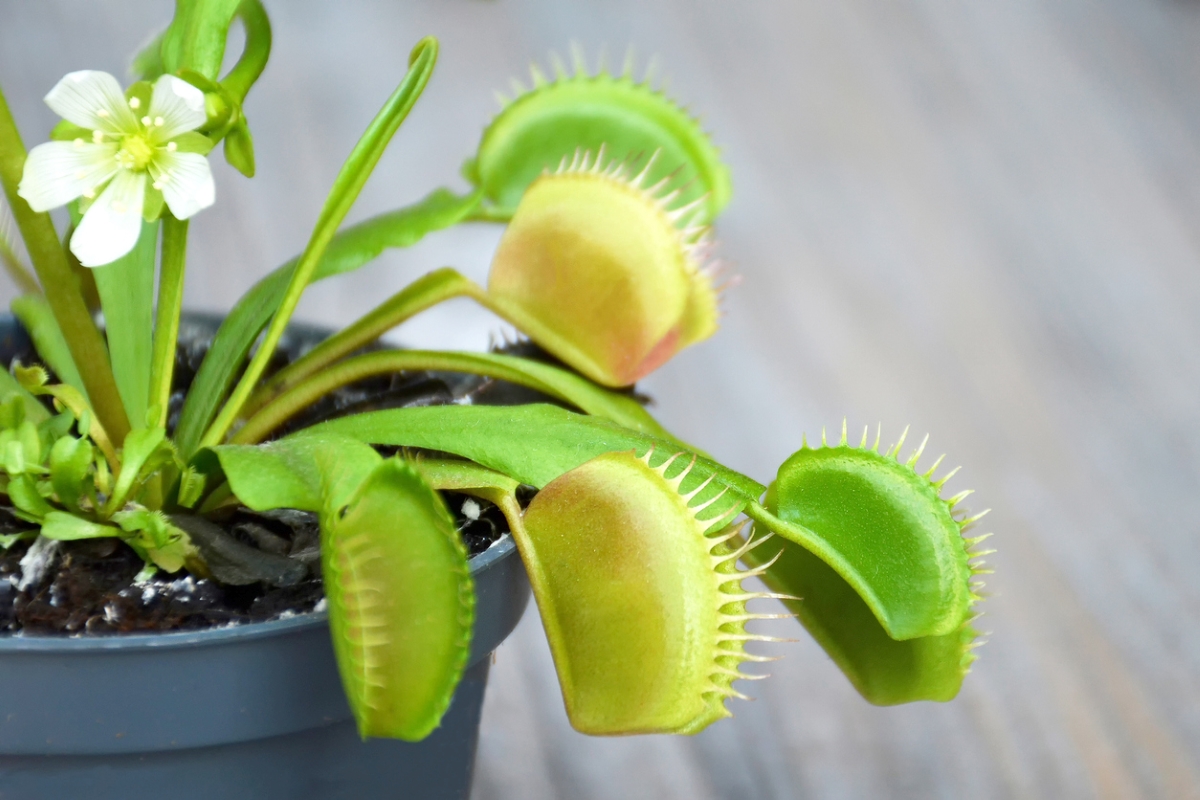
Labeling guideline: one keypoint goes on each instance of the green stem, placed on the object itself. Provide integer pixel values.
(166, 323)
(425, 292)
(255, 52)
(61, 286)
(19, 273)
(557, 383)
(346, 188)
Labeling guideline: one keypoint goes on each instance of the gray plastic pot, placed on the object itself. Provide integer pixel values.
(251, 712)
(255, 711)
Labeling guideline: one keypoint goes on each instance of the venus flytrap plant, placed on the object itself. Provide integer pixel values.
(634, 542)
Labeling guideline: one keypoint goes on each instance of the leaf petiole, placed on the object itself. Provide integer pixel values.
(544, 378)
(346, 187)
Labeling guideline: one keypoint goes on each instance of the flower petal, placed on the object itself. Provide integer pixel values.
(111, 227)
(58, 172)
(186, 182)
(178, 104)
(93, 100)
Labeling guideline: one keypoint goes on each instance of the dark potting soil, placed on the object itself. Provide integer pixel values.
(91, 587)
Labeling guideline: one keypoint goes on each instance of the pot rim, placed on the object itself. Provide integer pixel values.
(211, 636)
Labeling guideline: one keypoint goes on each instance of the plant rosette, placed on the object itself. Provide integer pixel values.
(635, 543)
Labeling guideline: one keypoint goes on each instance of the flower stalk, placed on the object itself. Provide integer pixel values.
(166, 325)
(61, 286)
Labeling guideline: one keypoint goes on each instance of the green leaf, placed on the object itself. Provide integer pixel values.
(533, 444)
(21, 449)
(70, 461)
(193, 142)
(146, 449)
(401, 602)
(346, 187)
(154, 537)
(550, 380)
(447, 475)
(191, 487)
(35, 314)
(12, 412)
(68, 527)
(126, 289)
(349, 250)
(239, 149)
(54, 428)
(302, 473)
(24, 495)
(7, 540)
(31, 408)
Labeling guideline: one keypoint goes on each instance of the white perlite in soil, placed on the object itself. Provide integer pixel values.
(36, 562)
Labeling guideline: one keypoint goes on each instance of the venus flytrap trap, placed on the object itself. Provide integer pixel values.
(635, 542)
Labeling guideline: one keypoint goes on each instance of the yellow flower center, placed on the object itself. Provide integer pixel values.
(136, 152)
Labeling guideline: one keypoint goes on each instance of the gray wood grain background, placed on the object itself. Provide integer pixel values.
(979, 219)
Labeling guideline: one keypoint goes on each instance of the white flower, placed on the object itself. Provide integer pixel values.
(123, 154)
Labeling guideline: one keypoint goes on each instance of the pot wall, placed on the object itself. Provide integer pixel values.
(250, 712)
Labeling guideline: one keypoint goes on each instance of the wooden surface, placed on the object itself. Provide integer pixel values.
(978, 218)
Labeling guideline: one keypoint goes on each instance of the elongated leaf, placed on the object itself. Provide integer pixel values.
(68, 527)
(302, 473)
(533, 443)
(349, 250)
(35, 314)
(70, 460)
(451, 475)
(145, 449)
(126, 289)
(24, 495)
(553, 381)
(345, 190)
(401, 602)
